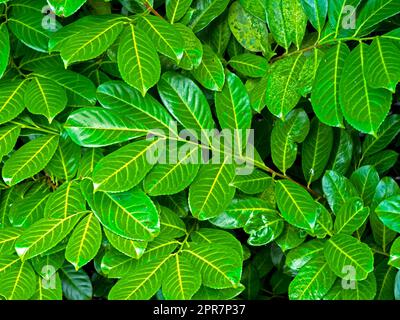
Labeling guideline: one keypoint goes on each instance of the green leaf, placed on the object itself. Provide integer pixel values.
(348, 257)
(206, 293)
(66, 8)
(183, 281)
(146, 112)
(165, 39)
(205, 12)
(185, 101)
(97, 127)
(233, 110)
(283, 85)
(388, 212)
(337, 189)
(76, 285)
(171, 226)
(220, 35)
(363, 107)
(80, 90)
(325, 93)
(142, 283)
(394, 259)
(313, 281)
(253, 183)
(19, 281)
(48, 289)
(219, 267)
(296, 205)
(176, 9)
(99, 33)
(43, 235)
(301, 255)
(193, 49)
(176, 176)
(257, 8)
(342, 154)
(210, 72)
(351, 216)
(8, 137)
(25, 212)
(11, 99)
(382, 56)
(66, 201)
(287, 22)
(386, 133)
(316, 11)
(27, 23)
(385, 277)
(30, 159)
(365, 179)
(285, 136)
(130, 248)
(316, 150)
(8, 237)
(364, 290)
(125, 168)
(248, 30)
(138, 61)
(5, 51)
(211, 192)
(382, 161)
(84, 242)
(263, 227)
(373, 13)
(250, 65)
(129, 214)
(65, 162)
(45, 97)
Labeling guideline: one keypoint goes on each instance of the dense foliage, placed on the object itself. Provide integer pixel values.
(84, 214)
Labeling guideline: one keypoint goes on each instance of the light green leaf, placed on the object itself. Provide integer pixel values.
(301, 255)
(8, 237)
(176, 9)
(5, 49)
(84, 242)
(138, 61)
(8, 137)
(250, 65)
(125, 168)
(348, 257)
(388, 212)
(205, 12)
(365, 179)
(130, 248)
(30, 159)
(11, 99)
(26, 211)
(296, 205)
(351, 216)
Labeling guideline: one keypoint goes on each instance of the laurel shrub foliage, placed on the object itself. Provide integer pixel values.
(85, 215)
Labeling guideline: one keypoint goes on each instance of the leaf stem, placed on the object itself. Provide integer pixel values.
(152, 10)
(37, 128)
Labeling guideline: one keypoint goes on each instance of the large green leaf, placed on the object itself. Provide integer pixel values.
(283, 85)
(176, 9)
(26, 211)
(65, 7)
(351, 216)
(44, 235)
(145, 111)
(162, 35)
(248, 30)
(129, 214)
(316, 150)
(17, 279)
(125, 168)
(233, 110)
(382, 56)
(313, 281)
(205, 12)
(300, 256)
(128, 247)
(348, 257)
(210, 72)
(84, 242)
(325, 93)
(185, 101)
(388, 212)
(11, 99)
(183, 281)
(219, 267)
(45, 97)
(363, 107)
(296, 205)
(30, 159)
(365, 179)
(250, 65)
(373, 13)
(211, 192)
(8, 236)
(138, 61)
(97, 127)
(8, 137)
(98, 34)
(316, 11)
